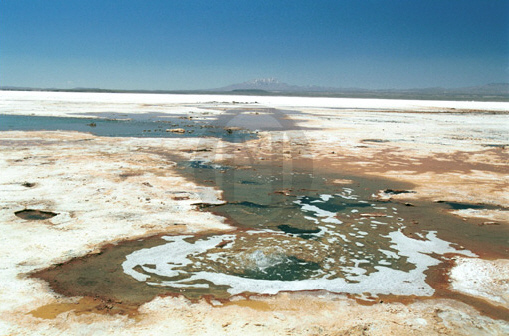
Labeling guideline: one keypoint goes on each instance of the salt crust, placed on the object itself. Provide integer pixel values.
(82, 182)
(487, 279)
(25, 248)
(10, 99)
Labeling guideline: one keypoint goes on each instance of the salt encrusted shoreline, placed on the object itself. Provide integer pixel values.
(111, 189)
(487, 279)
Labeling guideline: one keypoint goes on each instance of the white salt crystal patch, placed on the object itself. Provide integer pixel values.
(158, 255)
(12, 187)
(330, 216)
(312, 219)
(332, 240)
(351, 197)
(348, 190)
(318, 212)
(177, 284)
(418, 321)
(389, 254)
(384, 281)
(325, 197)
(488, 279)
(342, 236)
(332, 220)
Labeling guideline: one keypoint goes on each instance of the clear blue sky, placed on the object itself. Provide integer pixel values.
(188, 44)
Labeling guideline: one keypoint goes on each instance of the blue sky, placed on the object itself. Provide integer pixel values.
(188, 44)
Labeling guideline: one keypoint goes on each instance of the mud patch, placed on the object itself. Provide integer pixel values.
(30, 214)
(375, 140)
(464, 206)
(85, 305)
(28, 184)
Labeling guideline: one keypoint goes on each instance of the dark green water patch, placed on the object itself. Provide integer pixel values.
(285, 269)
(293, 230)
(398, 192)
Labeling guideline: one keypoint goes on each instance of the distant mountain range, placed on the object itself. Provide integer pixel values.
(272, 86)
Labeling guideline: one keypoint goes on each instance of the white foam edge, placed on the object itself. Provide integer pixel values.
(384, 281)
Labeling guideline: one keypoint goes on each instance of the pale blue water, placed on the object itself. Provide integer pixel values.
(139, 128)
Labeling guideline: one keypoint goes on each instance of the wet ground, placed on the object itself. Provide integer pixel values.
(296, 230)
(125, 126)
(234, 125)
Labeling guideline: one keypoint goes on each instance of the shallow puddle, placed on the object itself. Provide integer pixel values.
(29, 214)
(296, 229)
(139, 128)
(234, 125)
(313, 236)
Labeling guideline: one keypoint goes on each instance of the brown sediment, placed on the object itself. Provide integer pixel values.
(89, 282)
(462, 162)
(253, 304)
(134, 293)
(439, 276)
(85, 305)
(388, 159)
